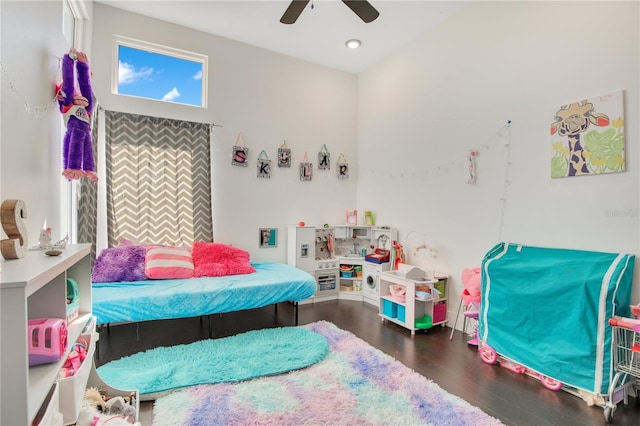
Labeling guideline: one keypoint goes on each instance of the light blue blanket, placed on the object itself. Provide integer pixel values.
(135, 301)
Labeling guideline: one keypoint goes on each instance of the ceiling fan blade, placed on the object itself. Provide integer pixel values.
(363, 9)
(293, 11)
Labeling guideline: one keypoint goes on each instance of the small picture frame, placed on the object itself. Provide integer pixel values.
(268, 238)
(342, 167)
(239, 152)
(324, 158)
(284, 155)
(264, 166)
(240, 156)
(306, 169)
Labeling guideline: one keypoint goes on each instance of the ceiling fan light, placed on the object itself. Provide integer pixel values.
(353, 43)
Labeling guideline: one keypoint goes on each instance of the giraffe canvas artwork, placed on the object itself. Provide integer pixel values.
(587, 137)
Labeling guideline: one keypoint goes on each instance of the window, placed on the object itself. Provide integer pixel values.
(68, 23)
(74, 15)
(161, 73)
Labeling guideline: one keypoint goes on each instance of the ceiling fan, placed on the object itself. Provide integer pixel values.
(362, 8)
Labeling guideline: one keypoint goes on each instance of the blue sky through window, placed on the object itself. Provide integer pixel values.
(156, 76)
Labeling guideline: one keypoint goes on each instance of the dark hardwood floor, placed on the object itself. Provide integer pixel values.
(455, 366)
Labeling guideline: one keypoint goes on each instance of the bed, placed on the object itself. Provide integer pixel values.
(147, 300)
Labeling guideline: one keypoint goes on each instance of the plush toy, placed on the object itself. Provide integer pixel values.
(95, 411)
(471, 281)
(93, 398)
(76, 107)
(120, 407)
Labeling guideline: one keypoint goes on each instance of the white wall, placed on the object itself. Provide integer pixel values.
(414, 116)
(270, 98)
(454, 88)
(31, 49)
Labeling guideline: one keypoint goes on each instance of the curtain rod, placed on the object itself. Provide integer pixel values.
(101, 108)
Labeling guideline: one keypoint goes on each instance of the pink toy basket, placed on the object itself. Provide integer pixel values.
(47, 340)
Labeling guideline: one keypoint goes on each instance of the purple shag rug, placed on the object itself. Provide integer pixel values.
(355, 384)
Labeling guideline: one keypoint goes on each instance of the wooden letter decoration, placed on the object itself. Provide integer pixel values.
(11, 214)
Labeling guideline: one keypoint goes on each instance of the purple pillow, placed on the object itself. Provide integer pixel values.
(124, 263)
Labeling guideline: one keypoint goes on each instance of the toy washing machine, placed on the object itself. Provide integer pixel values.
(371, 281)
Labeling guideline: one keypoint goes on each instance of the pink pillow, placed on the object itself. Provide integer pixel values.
(216, 260)
(168, 262)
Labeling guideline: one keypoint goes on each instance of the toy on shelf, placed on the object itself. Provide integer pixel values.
(73, 300)
(44, 242)
(368, 218)
(346, 271)
(75, 359)
(352, 217)
(45, 237)
(398, 293)
(378, 256)
(47, 341)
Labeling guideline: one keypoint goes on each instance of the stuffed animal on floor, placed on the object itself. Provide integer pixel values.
(76, 107)
(93, 398)
(95, 411)
(120, 407)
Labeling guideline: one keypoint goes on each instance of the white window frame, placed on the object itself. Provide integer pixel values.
(76, 10)
(69, 22)
(161, 50)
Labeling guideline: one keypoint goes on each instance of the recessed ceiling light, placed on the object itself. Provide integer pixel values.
(353, 43)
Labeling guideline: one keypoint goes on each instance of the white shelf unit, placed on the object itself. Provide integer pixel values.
(35, 286)
(406, 313)
(351, 287)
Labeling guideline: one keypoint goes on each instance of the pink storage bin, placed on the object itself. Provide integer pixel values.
(47, 340)
(439, 312)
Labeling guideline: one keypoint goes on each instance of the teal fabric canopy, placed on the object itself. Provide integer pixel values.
(548, 310)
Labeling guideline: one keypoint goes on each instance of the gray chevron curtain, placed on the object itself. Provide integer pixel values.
(88, 198)
(158, 180)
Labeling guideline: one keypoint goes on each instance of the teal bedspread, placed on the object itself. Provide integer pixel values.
(135, 301)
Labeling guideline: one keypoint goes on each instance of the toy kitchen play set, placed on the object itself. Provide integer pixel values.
(346, 260)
